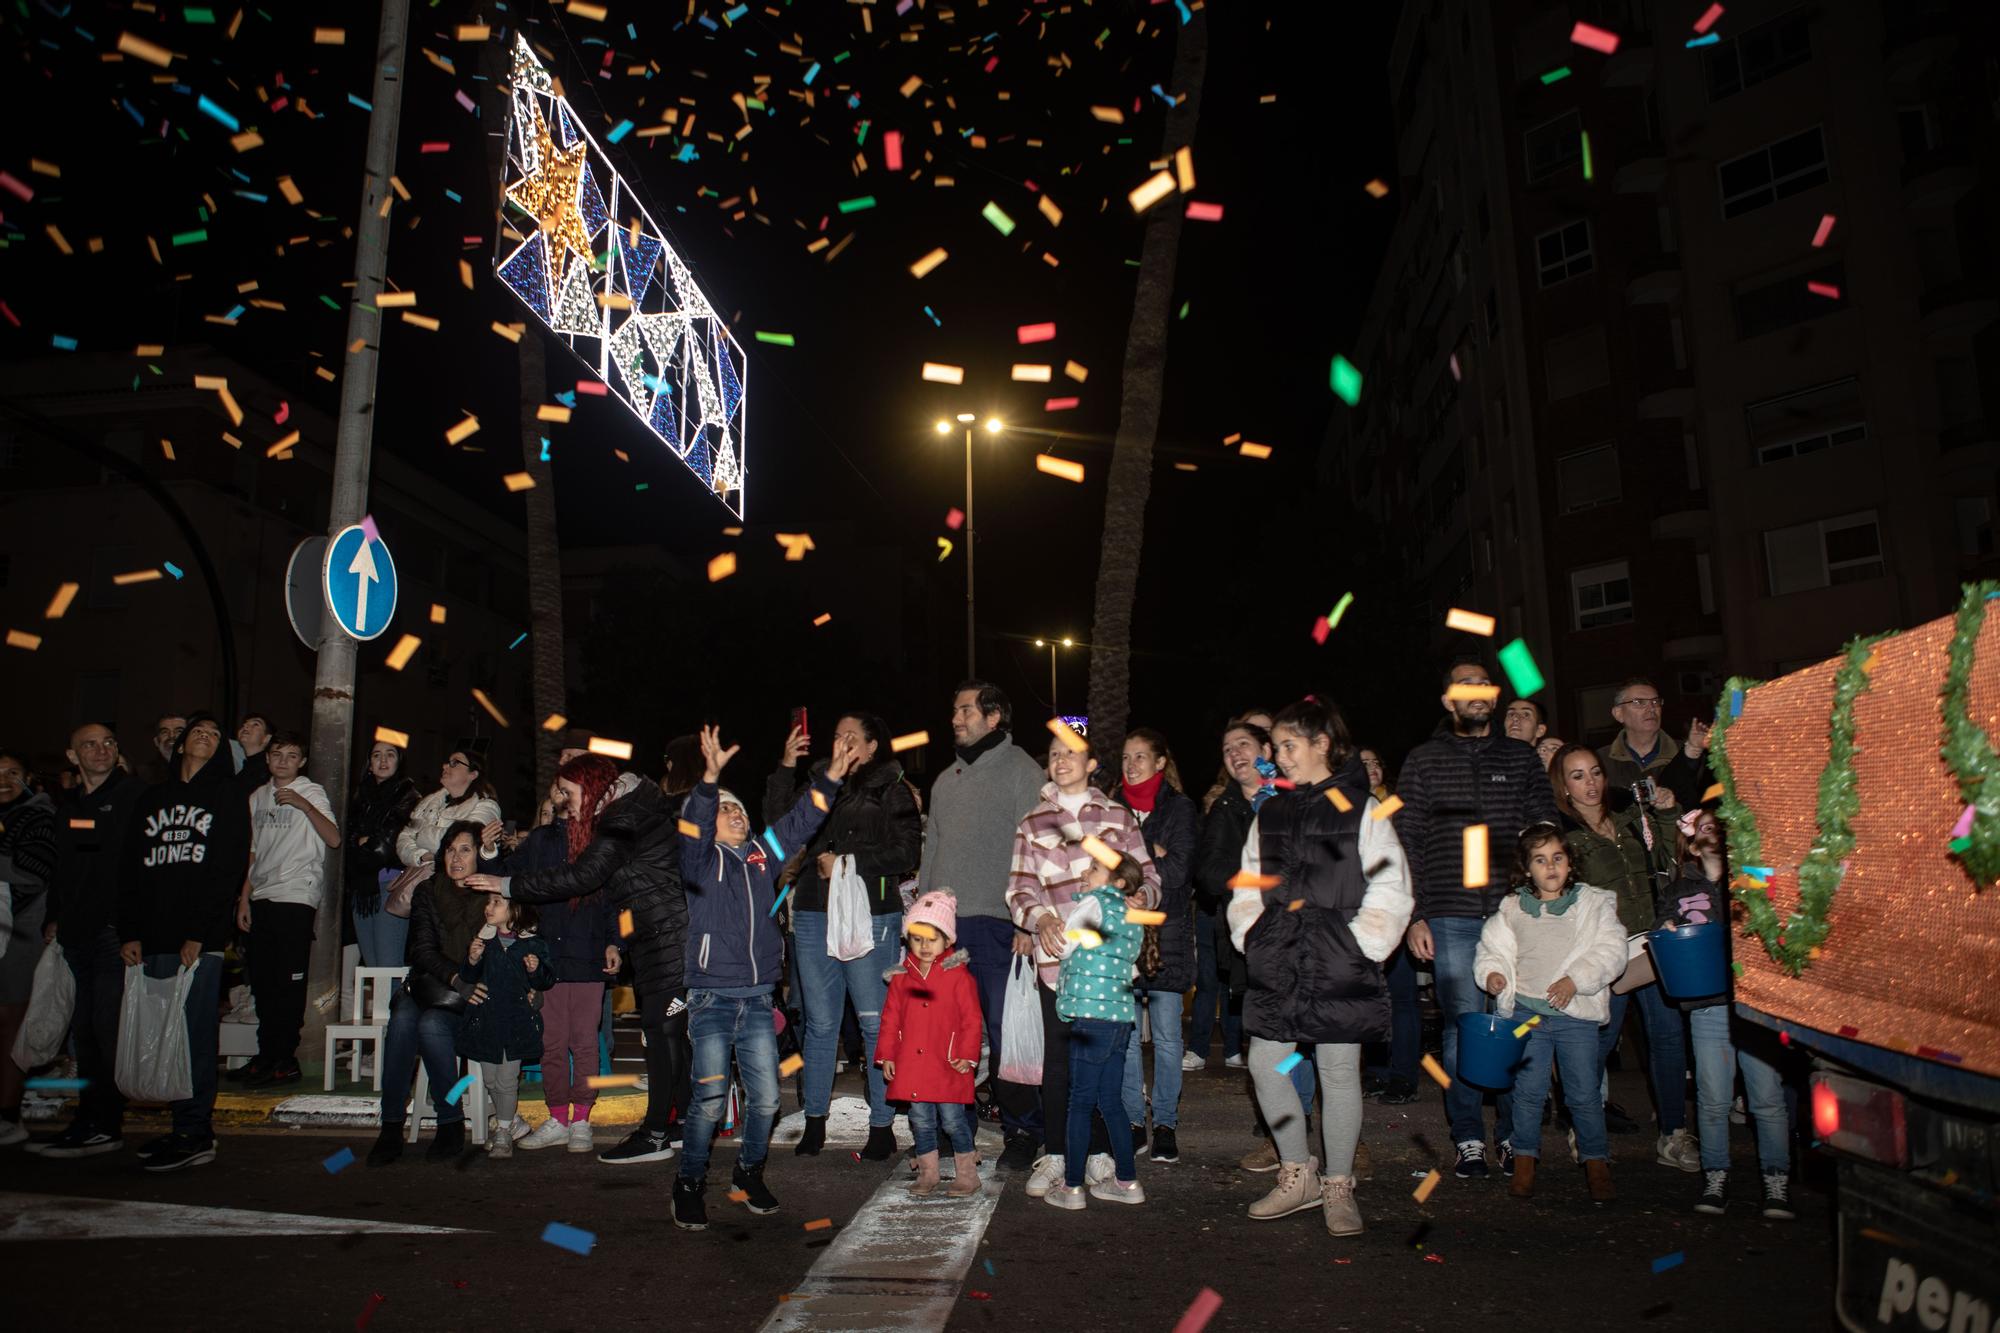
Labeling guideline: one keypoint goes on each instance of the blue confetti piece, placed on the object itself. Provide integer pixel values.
(565, 1237)
(458, 1089)
(1289, 1063)
(172, 568)
(523, 636)
(137, 117)
(217, 114)
(567, 398)
(352, 100)
(62, 343)
(1736, 703)
(989, 1268)
(545, 448)
(236, 313)
(812, 73)
(687, 152)
(454, 196)
(1186, 16)
(730, 16)
(933, 314)
(771, 841)
(57, 1084)
(1761, 872)
(1666, 1261)
(618, 131)
(780, 901)
(339, 1162)
(1706, 39)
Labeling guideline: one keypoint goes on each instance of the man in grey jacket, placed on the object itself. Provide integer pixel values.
(968, 848)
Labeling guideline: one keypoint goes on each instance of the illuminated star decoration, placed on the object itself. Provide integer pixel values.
(580, 251)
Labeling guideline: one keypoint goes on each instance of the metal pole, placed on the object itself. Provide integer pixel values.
(970, 545)
(1054, 707)
(333, 676)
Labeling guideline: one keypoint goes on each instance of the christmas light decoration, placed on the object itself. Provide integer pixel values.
(580, 250)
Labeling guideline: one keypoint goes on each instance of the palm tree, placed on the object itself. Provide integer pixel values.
(1131, 476)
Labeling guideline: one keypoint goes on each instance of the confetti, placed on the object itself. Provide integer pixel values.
(458, 1088)
(1151, 192)
(391, 736)
(141, 49)
(791, 1065)
(1376, 189)
(822, 618)
(1345, 380)
(1059, 467)
(479, 696)
(1708, 18)
(1139, 916)
(1473, 693)
(735, 1196)
(892, 149)
(1100, 852)
(1195, 1318)
(1469, 621)
(994, 214)
(1244, 882)
(562, 1236)
(20, 638)
(463, 431)
(611, 1081)
(1295, 904)
(1340, 801)
(136, 576)
(930, 261)
(609, 748)
(1473, 850)
(1826, 289)
(1084, 937)
(368, 1309)
(1714, 790)
(1252, 449)
(518, 481)
(1035, 333)
(1027, 373)
(1825, 230)
(1065, 733)
(339, 1162)
(67, 1084)
(1666, 1261)
(938, 373)
(1199, 212)
(1522, 673)
(819, 1224)
(1388, 808)
(909, 742)
(1436, 1071)
(1076, 370)
(722, 567)
(625, 926)
(944, 549)
(1289, 1063)
(712, 1078)
(1430, 1182)
(1596, 38)
(1522, 1030)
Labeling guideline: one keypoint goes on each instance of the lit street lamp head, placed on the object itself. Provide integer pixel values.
(944, 428)
(993, 425)
(967, 418)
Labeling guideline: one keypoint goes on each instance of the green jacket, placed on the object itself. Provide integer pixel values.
(1622, 864)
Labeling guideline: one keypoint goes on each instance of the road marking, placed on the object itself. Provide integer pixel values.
(863, 1280)
(54, 1217)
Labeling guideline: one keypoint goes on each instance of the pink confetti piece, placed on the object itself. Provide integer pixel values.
(283, 413)
(368, 529)
(18, 189)
(1200, 1312)
(592, 388)
(434, 148)
(1321, 628)
(954, 518)
(1594, 37)
(368, 1310)
(1060, 404)
(1199, 212)
(1035, 333)
(1707, 19)
(466, 102)
(8, 311)
(1963, 828)
(1825, 230)
(892, 150)
(1826, 289)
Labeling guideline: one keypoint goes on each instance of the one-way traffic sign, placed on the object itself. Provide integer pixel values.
(360, 582)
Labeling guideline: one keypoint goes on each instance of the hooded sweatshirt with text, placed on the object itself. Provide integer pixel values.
(186, 854)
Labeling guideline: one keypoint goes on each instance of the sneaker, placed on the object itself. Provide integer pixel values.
(153, 1147)
(1019, 1154)
(644, 1084)
(1714, 1198)
(1138, 1139)
(1047, 1175)
(275, 1075)
(690, 1210)
(579, 1136)
(1616, 1121)
(1098, 1166)
(1295, 1191)
(1066, 1196)
(757, 1196)
(1398, 1092)
(1336, 1199)
(1778, 1196)
(1678, 1150)
(1262, 1158)
(79, 1140)
(1165, 1149)
(519, 1130)
(388, 1146)
(12, 1132)
(1192, 1062)
(1574, 1155)
(447, 1143)
(1471, 1164)
(812, 1139)
(545, 1135)
(1503, 1158)
(499, 1146)
(881, 1145)
(182, 1153)
(640, 1145)
(1234, 1062)
(250, 1069)
(1118, 1191)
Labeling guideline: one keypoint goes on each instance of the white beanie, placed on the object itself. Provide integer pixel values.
(724, 796)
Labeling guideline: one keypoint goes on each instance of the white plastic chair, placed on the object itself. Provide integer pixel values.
(473, 1102)
(382, 982)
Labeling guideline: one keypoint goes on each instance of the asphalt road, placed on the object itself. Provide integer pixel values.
(1470, 1258)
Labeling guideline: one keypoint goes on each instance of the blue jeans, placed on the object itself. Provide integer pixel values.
(825, 983)
(718, 1026)
(1097, 1085)
(1455, 938)
(1666, 1053)
(432, 1034)
(1716, 1061)
(926, 1118)
(1211, 993)
(194, 1117)
(989, 940)
(382, 938)
(1573, 1041)
(1165, 1007)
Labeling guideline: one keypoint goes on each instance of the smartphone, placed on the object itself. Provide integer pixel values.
(799, 721)
(1644, 790)
(507, 830)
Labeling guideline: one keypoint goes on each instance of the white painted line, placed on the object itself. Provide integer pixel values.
(897, 1265)
(54, 1217)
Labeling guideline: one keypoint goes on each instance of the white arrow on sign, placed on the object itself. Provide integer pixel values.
(364, 565)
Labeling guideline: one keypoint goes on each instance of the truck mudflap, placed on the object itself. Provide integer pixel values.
(1913, 1258)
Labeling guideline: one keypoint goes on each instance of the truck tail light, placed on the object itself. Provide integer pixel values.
(1864, 1119)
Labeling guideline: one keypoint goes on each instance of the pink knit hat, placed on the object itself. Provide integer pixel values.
(939, 909)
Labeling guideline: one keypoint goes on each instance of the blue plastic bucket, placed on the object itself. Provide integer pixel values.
(1488, 1050)
(1693, 961)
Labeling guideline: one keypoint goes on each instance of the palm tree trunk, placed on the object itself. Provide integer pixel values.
(1130, 481)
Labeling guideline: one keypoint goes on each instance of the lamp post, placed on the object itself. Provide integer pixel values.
(993, 427)
(1050, 644)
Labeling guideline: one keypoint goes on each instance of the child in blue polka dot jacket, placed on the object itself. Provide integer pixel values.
(1103, 948)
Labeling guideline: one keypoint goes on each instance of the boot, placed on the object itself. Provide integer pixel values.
(927, 1174)
(966, 1181)
(388, 1146)
(1297, 1190)
(449, 1142)
(1336, 1197)
(1598, 1176)
(1522, 1186)
(814, 1137)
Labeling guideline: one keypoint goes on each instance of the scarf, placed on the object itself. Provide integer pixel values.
(1269, 772)
(461, 914)
(991, 740)
(1141, 795)
(1555, 906)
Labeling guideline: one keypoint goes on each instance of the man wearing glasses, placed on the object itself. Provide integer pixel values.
(1643, 751)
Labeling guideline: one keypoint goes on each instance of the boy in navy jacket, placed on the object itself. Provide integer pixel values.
(735, 953)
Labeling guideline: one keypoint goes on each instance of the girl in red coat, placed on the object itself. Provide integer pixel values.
(930, 1040)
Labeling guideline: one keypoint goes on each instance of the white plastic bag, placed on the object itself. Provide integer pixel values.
(1021, 1026)
(850, 931)
(49, 1007)
(153, 1060)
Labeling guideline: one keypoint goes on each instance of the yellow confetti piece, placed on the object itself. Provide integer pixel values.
(819, 801)
(1104, 855)
(329, 36)
(282, 446)
(463, 431)
(479, 697)
(554, 722)
(59, 604)
(1469, 621)
(1031, 374)
(1388, 807)
(1076, 370)
(625, 924)
(909, 742)
(430, 322)
(150, 349)
(609, 748)
(1436, 1071)
(611, 1081)
(1465, 692)
(1376, 189)
(1426, 1185)
(405, 649)
(712, 1078)
(519, 481)
(930, 261)
(939, 373)
(20, 638)
(1065, 733)
(392, 300)
(137, 576)
(245, 141)
(911, 84)
(1151, 192)
(511, 332)
(1139, 916)
(391, 736)
(722, 567)
(1084, 937)
(734, 1196)
(688, 828)
(587, 11)
(437, 613)
(1251, 449)
(1340, 802)
(141, 49)
(1049, 210)
(1245, 882)
(796, 544)
(473, 32)
(822, 618)
(1059, 467)
(1184, 169)
(791, 1065)
(1110, 115)
(290, 191)
(1295, 904)
(1714, 790)
(1473, 848)
(1523, 1029)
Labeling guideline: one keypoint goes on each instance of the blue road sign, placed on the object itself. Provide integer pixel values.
(360, 583)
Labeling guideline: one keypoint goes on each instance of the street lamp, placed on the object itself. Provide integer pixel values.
(993, 427)
(1050, 644)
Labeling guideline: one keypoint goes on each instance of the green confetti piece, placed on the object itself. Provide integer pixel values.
(1588, 173)
(1339, 610)
(781, 339)
(1556, 75)
(1346, 381)
(857, 205)
(1522, 673)
(331, 304)
(195, 237)
(1959, 845)
(193, 15)
(1001, 222)
(1184, 308)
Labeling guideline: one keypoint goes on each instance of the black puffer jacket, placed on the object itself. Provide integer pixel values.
(874, 820)
(376, 813)
(1220, 857)
(444, 919)
(1451, 782)
(1172, 825)
(635, 859)
(1309, 979)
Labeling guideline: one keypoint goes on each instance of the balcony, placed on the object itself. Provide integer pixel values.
(1654, 279)
(1643, 171)
(1957, 309)
(1940, 177)
(1683, 525)
(1917, 34)
(1665, 394)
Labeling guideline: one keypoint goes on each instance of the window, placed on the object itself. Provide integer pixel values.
(1593, 709)
(1974, 514)
(1805, 422)
(1601, 595)
(1823, 553)
(1552, 146)
(1589, 478)
(1775, 171)
(1782, 302)
(1576, 363)
(1757, 54)
(1563, 253)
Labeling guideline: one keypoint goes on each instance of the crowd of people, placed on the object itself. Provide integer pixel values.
(1007, 956)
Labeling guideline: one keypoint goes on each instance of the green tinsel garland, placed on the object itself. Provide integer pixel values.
(1967, 749)
(1746, 845)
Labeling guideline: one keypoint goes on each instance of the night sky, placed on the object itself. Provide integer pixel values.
(1240, 555)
